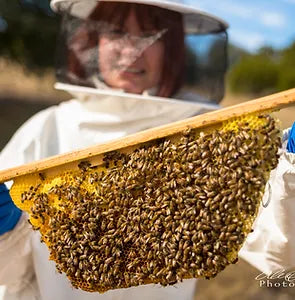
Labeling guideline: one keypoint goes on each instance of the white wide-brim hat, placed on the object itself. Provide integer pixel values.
(194, 19)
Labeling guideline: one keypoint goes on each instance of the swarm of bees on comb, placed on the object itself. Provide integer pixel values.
(167, 211)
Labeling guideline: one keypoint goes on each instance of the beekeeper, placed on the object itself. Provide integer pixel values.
(130, 65)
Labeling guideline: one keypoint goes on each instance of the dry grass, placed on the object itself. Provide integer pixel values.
(238, 282)
(16, 82)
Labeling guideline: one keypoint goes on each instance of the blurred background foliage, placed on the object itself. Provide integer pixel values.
(28, 33)
(267, 71)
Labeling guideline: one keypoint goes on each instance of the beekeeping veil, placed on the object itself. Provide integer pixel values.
(196, 69)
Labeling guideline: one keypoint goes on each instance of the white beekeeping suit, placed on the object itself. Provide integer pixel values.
(271, 247)
(97, 113)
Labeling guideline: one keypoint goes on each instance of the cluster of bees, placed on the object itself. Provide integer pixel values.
(160, 214)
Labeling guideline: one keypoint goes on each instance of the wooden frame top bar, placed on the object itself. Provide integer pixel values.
(269, 103)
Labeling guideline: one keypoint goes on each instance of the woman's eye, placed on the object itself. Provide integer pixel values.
(114, 34)
(148, 34)
(117, 31)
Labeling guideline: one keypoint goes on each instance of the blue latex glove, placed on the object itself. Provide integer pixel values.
(291, 141)
(9, 213)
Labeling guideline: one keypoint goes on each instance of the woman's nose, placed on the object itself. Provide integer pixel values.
(132, 47)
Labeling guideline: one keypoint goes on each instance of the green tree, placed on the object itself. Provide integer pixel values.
(30, 36)
(267, 51)
(286, 78)
(255, 74)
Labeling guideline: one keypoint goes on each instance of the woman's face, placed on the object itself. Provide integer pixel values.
(129, 58)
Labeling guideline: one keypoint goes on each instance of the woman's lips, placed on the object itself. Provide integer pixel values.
(134, 71)
(131, 72)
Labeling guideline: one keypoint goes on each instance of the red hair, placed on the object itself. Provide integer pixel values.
(148, 17)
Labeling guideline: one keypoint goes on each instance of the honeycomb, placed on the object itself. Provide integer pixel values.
(172, 209)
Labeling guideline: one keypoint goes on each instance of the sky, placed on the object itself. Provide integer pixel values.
(254, 23)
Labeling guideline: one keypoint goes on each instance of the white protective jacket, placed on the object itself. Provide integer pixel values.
(25, 269)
